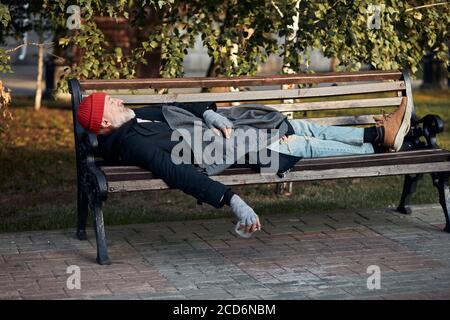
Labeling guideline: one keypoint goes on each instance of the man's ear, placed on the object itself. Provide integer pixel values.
(106, 127)
(106, 123)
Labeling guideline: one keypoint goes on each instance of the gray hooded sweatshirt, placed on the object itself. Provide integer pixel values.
(244, 139)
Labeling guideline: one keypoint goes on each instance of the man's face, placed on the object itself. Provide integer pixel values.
(115, 114)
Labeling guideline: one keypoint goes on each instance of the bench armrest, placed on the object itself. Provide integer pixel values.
(90, 141)
(94, 179)
(431, 125)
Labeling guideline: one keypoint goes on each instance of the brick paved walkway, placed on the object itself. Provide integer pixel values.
(308, 256)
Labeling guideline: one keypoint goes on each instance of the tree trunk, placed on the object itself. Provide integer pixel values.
(435, 75)
(286, 187)
(38, 96)
(153, 66)
(334, 63)
(122, 34)
(211, 72)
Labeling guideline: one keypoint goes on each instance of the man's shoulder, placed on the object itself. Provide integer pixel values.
(147, 112)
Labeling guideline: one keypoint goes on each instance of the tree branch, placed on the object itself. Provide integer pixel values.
(278, 9)
(427, 6)
(34, 44)
(27, 44)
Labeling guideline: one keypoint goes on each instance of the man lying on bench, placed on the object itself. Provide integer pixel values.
(144, 137)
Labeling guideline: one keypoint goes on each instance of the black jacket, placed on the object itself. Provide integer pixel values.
(148, 145)
(110, 145)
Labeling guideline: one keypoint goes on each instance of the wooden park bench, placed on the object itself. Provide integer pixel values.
(354, 94)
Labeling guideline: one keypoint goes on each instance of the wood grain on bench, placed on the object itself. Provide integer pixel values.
(131, 178)
(258, 95)
(205, 82)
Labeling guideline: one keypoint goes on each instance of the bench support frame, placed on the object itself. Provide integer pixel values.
(441, 182)
(427, 127)
(95, 185)
(92, 187)
(409, 187)
(82, 214)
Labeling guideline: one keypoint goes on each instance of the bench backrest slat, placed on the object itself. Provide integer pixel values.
(358, 91)
(205, 82)
(262, 95)
(344, 120)
(339, 104)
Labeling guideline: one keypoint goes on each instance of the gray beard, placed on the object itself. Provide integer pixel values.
(123, 118)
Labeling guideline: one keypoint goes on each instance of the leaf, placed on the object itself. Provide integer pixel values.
(408, 22)
(63, 41)
(417, 15)
(340, 32)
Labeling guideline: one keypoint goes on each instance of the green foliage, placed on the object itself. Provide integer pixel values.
(98, 58)
(4, 61)
(241, 34)
(20, 16)
(97, 61)
(340, 29)
(5, 114)
(15, 20)
(5, 17)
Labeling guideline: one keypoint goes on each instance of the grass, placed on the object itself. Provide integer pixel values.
(38, 179)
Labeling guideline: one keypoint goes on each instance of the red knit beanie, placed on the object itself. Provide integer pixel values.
(90, 111)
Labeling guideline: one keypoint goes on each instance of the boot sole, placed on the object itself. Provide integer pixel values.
(404, 128)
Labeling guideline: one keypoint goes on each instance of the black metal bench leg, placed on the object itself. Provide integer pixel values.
(441, 182)
(409, 187)
(82, 213)
(99, 226)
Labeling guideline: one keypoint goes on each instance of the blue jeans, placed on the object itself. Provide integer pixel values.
(313, 141)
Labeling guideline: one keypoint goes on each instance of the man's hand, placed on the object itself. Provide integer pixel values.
(248, 220)
(252, 227)
(217, 122)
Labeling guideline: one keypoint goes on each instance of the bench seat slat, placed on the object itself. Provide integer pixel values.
(303, 175)
(429, 154)
(304, 165)
(377, 166)
(261, 95)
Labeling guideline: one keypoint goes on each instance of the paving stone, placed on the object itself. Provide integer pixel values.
(303, 256)
(119, 297)
(285, 296)
(162, 296)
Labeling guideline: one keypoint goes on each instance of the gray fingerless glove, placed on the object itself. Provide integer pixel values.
(243, 211)
(215, 120)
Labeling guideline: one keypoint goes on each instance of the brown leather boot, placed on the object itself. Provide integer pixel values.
(396, 125)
